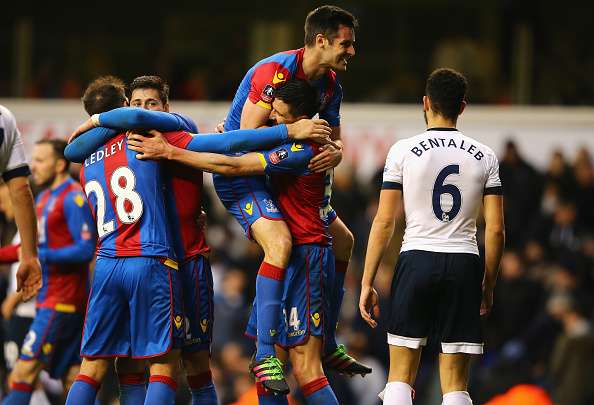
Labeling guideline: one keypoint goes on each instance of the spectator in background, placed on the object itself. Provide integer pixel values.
(572, 359)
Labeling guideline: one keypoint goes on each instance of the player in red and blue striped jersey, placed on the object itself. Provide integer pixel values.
(243, 139)
(66, 246)
(329, 44)
(305, 291)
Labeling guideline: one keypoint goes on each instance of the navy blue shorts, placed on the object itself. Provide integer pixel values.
(438, 295)
(198, 307)
(134, 309)
(54, 339)
(305, 304)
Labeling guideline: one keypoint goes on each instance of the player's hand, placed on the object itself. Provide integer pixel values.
(153, 147)
(9, 304)
(29, 277)
(312, 130)
(329, 158)
(487, 301)
(84, 127)
(220, 128)
(368, 305)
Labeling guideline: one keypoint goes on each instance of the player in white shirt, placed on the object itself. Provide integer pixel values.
(440, 177)
(15, 172)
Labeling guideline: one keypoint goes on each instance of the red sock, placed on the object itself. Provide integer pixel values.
(165, 380)
(314, 386)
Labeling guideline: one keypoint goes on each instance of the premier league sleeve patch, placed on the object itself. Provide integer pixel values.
(278, 155)
(267, 94)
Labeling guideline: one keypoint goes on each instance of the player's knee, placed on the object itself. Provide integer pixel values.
(307, 368)
(94, 368)
(26, 371)
(343, 242)
(167, 365)
(278, 250)
(196, 363)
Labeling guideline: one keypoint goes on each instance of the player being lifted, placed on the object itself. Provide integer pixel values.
(66, 246)
(190, 241)
(329, 44)
(302, 320)
(440, 177)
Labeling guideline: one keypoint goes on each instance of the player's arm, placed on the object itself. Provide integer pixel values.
(82, 146)
(9, 254)
(494, 244)
(330, 157)
(254, 115)
(135, 118)
(382, 229)
(81, 227)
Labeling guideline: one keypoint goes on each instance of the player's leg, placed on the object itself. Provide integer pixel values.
(132, 380)
(404, 363)
(307, 367)
(460, 324)
(453, 375)
(70, 377)
(162, 382)
(35, 352)
(198, 308)
(336, 356)
(84, 389)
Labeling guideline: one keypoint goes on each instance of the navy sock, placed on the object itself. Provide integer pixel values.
(83, 391)
(269, 293)
(132, 388)
(161, 391)
(335, 305)
(319, 392)
(202, 389)
(20, 394)
(268, 398)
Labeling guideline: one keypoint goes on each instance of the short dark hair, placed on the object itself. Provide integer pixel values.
(326, 20)
(301, 97)
(151, 82)
(58, 147)
(103, 94)
(446, 88)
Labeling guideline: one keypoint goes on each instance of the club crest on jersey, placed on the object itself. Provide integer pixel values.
(267, 94)
(278, 155)
(47, 348)
(315, 317)
(270, 206)
(178, 321)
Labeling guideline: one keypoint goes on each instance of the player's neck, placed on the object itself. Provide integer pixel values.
(311, 64)
(59, 180)
(438, 121)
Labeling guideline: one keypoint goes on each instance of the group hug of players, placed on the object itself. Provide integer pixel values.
(138, 210)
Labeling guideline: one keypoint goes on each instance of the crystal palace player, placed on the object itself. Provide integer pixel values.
(66, 246)
(329, 44)
(310, 273)
(441, 177)
(143, 234)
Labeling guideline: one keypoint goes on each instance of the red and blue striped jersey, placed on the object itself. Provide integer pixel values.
(127, 200)
(66, 246)
(260, 81)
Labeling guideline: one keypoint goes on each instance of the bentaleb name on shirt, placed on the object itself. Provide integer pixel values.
(430, 143)
(105, 152)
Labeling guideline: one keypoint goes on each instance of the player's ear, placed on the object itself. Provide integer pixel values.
(426, 104)
(166, 107)
(320, 40)
(462, 107)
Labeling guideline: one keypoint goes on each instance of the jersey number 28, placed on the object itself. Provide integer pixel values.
(121, 183)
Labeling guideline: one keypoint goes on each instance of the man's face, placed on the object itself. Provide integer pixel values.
(147, 99)
(337, 53)
(44, 165)
(281, 113)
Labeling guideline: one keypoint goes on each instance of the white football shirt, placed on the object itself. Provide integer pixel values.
(13, 162)
(443, 175)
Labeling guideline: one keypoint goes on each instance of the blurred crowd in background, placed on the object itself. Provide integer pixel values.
(539, 333)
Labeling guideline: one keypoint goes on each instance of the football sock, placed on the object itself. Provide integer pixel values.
(335, 303)
(132, 388)
(202, 389)
(161, 390)
(20, 394)
(397, 392)
(268, 398)
(83, 391)
(269, 293)
(457, 398)
(319, 392)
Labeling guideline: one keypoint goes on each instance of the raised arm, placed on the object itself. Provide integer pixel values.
(81, 147)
